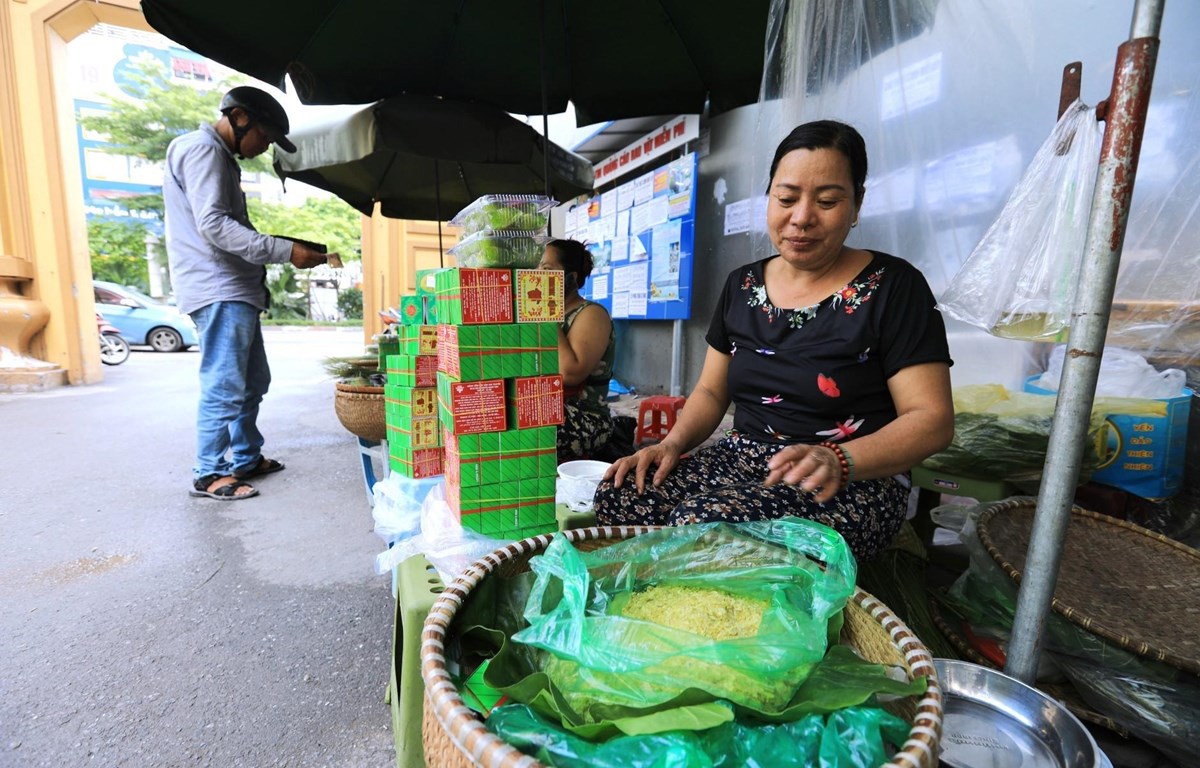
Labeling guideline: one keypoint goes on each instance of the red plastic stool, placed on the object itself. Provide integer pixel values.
(656, 416)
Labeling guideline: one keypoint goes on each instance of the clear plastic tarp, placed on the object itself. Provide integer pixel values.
(953, 100)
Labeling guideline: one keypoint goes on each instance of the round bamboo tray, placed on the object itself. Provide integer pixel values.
(455, 737)
(1129, 585)
(361, 411)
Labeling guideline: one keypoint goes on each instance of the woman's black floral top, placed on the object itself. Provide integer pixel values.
(808, 374)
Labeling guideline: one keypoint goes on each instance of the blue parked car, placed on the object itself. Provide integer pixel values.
(142, 320)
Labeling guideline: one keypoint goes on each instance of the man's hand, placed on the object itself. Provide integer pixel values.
(304, 257)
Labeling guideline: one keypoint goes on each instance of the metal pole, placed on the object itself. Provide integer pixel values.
(676, 358)
(1126, 119)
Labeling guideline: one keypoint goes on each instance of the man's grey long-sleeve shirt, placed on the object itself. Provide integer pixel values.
(214, 251)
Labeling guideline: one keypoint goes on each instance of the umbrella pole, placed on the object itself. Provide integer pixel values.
(437, 201)
(545, 106)
(1126, 120)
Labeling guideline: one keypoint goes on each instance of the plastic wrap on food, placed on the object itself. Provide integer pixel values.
(524, 213)
(501, 249)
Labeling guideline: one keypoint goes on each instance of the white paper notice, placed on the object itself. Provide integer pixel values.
(637, 304)
(608, 203)
(622, 224)
(608, 227)
(620, 305)
(621, 277)
(620, 249)
(639, 219)
(625, 197)
(643, 188)
(639, 276)
(599, 287)
(637, 249)
(737, 217)
(660, 211)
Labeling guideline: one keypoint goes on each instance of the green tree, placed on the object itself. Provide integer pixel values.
(118, 252)
(323, 220)
(144, 127)
(288, 301)
(350, 303)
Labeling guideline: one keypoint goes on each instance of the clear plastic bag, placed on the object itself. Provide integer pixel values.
(1019, 281)
(1123, 373)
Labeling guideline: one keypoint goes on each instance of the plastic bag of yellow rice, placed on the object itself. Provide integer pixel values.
(740, 611)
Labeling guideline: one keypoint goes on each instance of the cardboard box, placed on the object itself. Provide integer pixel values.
(474, 296)
(412, 370)
(539, 295)
(416, 463)
(469, 407)
(415, 433)
(418, 339)
(427, 282)
(534, 401)
(409, 402)
(493, 457)
(412, 309)
(1144, 455)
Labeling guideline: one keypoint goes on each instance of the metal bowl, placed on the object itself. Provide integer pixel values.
(996, 721)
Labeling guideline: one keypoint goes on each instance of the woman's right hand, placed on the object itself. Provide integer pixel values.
(663, 455)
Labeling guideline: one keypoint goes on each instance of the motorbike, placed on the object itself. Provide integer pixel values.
(114, 350)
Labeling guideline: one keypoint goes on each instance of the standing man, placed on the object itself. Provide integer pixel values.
(218, 269)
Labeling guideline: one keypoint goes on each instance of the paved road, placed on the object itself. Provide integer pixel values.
(142, 627)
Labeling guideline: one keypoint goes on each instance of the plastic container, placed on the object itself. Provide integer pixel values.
(577, 481)
(500, 248)
(526, 213)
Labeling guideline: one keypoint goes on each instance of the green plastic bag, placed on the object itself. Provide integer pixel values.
(603, 658)
(850, 738)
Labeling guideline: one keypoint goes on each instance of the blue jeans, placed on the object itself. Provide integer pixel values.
(234, 376)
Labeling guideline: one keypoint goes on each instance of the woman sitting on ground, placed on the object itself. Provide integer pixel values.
(835, 358)
(586, 344)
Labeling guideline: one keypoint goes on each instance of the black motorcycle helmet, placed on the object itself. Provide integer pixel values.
(262, 109)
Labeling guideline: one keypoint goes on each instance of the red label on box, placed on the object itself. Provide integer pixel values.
(539, 401)
(487, 296)
(539, 295)
(424, 462)
(477, 406)
(427, 370)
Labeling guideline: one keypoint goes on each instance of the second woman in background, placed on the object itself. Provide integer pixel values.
(586, 345)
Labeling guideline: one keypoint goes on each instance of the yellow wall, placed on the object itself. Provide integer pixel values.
(43, 235)
(393, 251)
(42, 225)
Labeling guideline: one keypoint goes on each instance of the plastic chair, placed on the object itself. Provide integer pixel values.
(656, 416)
(368, 450)
(417, 586)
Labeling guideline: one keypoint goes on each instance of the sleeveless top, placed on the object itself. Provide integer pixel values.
(593, 391)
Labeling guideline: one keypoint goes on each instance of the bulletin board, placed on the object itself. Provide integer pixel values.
(642, 235)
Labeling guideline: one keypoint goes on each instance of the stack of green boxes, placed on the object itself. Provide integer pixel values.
(499, 392)
(410, 397)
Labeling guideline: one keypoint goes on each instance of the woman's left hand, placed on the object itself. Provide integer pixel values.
(812, 467)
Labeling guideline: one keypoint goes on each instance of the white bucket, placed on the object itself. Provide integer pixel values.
(577, 481)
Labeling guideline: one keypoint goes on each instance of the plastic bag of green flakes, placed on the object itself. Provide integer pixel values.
(741, 611)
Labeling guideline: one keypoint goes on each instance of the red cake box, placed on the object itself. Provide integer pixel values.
(475, 296)
(539, 295)
(535, 401)
(471, 407)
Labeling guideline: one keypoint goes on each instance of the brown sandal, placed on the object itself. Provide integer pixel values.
(204, 487)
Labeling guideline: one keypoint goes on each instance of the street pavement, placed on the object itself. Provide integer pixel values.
(143, 627)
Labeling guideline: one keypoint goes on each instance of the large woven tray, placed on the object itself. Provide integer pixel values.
(455, 737)
(1129, 585)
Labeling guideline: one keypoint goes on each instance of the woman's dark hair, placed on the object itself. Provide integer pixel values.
(574, 257)
(827, 134)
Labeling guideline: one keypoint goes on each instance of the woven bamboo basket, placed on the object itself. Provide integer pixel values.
(361, 411)
(455, 737)
(1129, 585)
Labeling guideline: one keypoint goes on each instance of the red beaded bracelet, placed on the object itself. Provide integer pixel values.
(844, 460)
